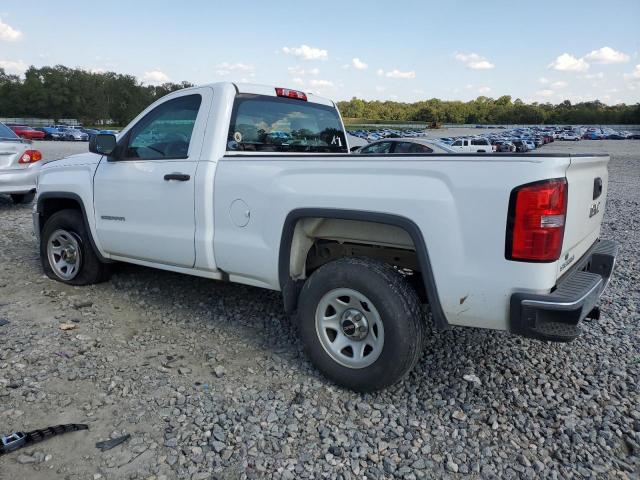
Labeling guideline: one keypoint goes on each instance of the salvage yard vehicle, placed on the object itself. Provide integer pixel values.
(404, 145)
(357, 244)
(478, 145)
(26, 132)
(18, 166)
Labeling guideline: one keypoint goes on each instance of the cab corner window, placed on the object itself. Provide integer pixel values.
(165, 132)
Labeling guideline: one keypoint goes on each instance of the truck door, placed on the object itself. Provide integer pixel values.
(144, 194)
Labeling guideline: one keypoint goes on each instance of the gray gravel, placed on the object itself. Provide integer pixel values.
(210, 382)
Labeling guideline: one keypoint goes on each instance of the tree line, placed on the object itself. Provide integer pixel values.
(502, 110)
(61, 92)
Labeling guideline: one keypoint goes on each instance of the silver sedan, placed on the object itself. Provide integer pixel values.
(404, 145)
(19, 165)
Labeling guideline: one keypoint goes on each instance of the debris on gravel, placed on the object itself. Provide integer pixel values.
(209, 381)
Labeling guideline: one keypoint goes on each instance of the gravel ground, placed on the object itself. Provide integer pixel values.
(210, 382)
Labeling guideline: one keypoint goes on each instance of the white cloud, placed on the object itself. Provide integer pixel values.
(8, 33)
(474, 61)
(396, 74)
(543, 80)
(634, 76)
(297, 81)
(98, 70)
(155, 77)
(484, 89)
(225, 68)
(301, 72)
(346, 66)
(306, 52)
(559, 84)
(545, 93)
(321, 83)
(606, 55)
(359, 64)
(569, 63)
(593, 76)
(11, 66)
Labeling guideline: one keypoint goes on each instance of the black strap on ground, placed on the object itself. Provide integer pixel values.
(18, 440)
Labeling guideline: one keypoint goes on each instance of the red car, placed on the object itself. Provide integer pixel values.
(27, 132)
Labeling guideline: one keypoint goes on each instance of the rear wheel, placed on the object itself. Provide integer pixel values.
(361, 323)
(66, 252)
(22, 197)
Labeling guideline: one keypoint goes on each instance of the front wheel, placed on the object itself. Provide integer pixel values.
(66, 252)
(361, 323)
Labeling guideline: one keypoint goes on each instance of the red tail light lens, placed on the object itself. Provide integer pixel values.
(285, 92)
(30, 156)
(535, 226)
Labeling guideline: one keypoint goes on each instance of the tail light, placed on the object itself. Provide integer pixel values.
(30, 156)
(285, 92)
(535, 226)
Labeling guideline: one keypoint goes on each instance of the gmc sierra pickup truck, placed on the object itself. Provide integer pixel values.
(255, 185)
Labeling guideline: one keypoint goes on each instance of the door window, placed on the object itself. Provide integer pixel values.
(409, 147)
(380, 147)
(165, 132)
(457, 143)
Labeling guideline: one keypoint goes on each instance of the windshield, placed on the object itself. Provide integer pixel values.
(261, 123)
(7, 134)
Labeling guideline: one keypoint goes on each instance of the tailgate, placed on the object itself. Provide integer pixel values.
(587, 179)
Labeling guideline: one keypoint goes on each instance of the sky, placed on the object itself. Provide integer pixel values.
(543, 51)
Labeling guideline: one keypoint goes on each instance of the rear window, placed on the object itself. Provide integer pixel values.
(6, 133)
(261, 123)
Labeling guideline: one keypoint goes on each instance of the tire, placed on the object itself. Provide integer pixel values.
(391, 310)
(66, 229)
(18, 198)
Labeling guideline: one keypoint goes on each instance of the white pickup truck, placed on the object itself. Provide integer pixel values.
(255, 185)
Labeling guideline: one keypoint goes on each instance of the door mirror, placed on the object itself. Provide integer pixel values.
(102, 143)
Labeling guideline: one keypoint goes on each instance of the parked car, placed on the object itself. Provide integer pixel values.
(74, 134)
(504, 146)
(51, 133)
(27, 132)
(521, 147)
(19, 164)
(479, 145)
(570, 136)
(404, 145)
(353, 242)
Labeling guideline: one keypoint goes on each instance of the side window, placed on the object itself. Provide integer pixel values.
(419, 148)
(382, 147)
(457, 143)
(402, 147)
(410, 147)
(165, 132)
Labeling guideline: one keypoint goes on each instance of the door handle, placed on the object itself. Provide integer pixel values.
(181, 177)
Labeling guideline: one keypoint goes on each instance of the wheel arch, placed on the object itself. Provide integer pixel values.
(49, 203)
(291, 288)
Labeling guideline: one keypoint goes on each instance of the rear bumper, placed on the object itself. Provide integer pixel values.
(556, 316)
(19, 180)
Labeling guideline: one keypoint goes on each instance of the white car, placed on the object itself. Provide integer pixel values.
(255, 185)
(571, 136)
(472, 145)
(19, 164)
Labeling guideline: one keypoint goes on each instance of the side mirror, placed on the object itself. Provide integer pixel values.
(354, 149)
(102, 143)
